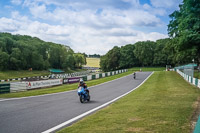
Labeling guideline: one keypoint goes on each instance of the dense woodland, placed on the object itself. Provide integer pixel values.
(182, 47)
(19, 52)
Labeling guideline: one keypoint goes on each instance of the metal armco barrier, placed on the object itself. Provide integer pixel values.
(4, 88)
(190, 79)
(195, 82)
(27, 85)
(85, 78)
(93, 76)
(102, 75)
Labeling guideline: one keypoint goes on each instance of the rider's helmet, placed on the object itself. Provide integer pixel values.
(81, 81)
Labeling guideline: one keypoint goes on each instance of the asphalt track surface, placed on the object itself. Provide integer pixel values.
(38, 114)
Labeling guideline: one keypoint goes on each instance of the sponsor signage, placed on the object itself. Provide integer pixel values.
(65, 81)
(43, 83)
(71, 80)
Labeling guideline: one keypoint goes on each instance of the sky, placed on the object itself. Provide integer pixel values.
(88, 26)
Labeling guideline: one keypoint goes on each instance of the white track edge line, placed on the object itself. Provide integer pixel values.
(9, 99)
(92, 110)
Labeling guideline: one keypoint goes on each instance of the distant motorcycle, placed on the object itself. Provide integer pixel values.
(83, 95)
(134, 75)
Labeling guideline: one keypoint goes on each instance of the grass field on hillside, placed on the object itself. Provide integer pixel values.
(164, 103)
(93, 62)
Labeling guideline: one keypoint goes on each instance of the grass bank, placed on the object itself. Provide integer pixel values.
(25, 73)
(164, 103)
(197, 74)
(21, 74)
(148, 68)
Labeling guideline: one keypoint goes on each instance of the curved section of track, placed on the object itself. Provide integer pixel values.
(38, 114)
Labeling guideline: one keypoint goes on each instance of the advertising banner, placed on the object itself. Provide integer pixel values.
(43, 83)
(89, 77)
(71, 80)
(65, 81)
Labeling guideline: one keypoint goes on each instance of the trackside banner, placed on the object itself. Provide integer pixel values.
(71, 80)
(43, 83)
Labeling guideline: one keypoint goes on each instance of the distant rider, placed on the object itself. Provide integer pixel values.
(83, 84)
(134, 75)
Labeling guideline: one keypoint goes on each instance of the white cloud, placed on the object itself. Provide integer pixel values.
(16, 2)
(106, 19)
(85, 30)
(38, 10)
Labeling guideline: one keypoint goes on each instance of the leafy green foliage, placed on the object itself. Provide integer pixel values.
(19, 52)
(184, 29)
(146, 53)
(127, 57)
(111, 60)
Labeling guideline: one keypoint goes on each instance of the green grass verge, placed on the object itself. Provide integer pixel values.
(197, 74)
(164, 103)
(21, 74)
(25, 73)
(148, 68)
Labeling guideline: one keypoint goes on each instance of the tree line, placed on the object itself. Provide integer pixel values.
(19, 52)
(182, 47)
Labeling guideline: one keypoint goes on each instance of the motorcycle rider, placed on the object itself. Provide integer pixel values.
(84, 85)
(134, 75)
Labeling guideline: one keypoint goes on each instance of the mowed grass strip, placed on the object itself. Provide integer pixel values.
(21, 74)
(164, 103)
(62, 88)
(10, 74)
(148, 68)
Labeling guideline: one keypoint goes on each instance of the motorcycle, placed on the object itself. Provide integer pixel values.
(83, 95)
(134, 75)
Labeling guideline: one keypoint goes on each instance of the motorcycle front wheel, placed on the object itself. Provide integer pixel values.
(82, 99)
(88, 99)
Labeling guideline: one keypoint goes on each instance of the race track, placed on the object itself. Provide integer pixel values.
(38, 114)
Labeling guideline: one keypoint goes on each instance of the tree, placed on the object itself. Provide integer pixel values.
(160, 53)
(127, 57)
(4, 58)
(144, 52)
(184, 27)
(79, 60)
(111, 60)
(24, 52)
(15, 59)
(103, 63)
